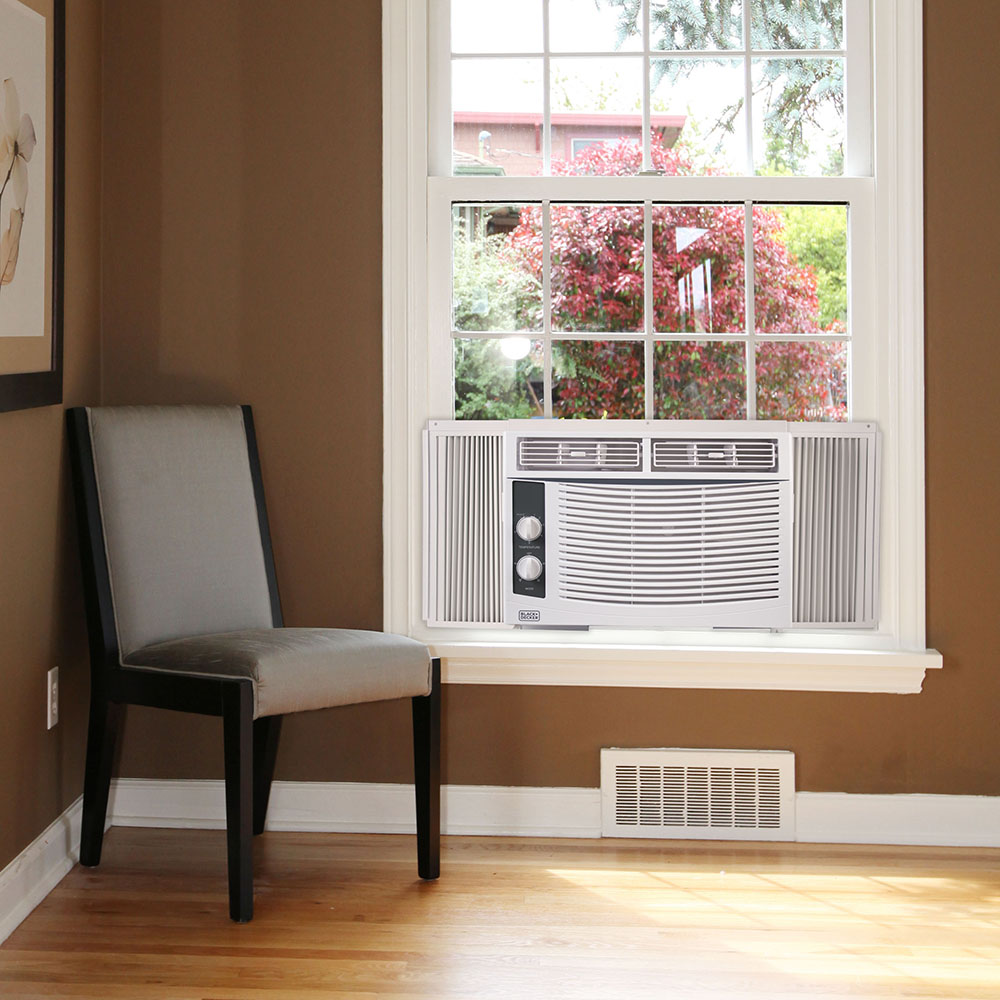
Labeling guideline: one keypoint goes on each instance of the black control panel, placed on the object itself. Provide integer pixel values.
(528, 533)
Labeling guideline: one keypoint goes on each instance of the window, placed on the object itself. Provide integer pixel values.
(599, 209)
(643, 300)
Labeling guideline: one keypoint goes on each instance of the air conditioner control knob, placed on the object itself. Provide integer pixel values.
(529, 568)
(528, 528)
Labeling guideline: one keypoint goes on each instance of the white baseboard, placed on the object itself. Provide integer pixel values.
(347, 807)
(38, 869)
(821, 817)
(930, 820)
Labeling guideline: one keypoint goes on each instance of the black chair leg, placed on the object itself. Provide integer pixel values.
(102, 737)
(427, 768)
(265, 751)
(237, 725)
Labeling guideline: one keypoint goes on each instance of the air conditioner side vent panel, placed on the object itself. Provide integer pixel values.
(835, 535)
(463, 525)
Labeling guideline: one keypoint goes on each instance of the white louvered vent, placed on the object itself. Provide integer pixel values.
(834, 544)
(463, 527)
(579, 454)
(669, 543)
(748, 455)
(698, 794)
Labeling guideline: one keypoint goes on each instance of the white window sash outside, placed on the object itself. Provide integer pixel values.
(886, 319)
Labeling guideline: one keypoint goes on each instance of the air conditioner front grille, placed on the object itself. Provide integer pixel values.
(707, 454)
(701, 794)
(669, 544)
(545, 454)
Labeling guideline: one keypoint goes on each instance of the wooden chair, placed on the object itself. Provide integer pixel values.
(183, 613)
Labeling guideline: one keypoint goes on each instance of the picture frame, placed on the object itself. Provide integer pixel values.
(32, 192)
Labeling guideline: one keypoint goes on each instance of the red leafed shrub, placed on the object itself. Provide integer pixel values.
(698, 289)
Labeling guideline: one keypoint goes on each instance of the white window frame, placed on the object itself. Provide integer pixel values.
(887, 385)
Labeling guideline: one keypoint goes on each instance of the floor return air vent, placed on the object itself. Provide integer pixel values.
(698, 794)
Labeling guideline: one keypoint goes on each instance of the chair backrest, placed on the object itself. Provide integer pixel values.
(179, 525)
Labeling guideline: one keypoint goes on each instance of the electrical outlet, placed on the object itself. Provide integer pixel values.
(52, 699)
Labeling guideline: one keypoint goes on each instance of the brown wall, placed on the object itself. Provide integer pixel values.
(241, 248)
(240, 155)
(40, 605)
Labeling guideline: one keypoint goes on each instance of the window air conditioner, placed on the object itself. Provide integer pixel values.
(650, 524)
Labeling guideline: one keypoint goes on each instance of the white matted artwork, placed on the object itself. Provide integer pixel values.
(32, 129)
(23, 157)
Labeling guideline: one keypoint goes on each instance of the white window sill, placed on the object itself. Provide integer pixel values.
(659, 666)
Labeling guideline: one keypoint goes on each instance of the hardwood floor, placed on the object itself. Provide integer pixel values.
(345, 917)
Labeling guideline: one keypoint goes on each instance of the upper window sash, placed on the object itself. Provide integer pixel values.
(856, 51)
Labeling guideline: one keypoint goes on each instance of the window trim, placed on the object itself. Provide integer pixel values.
(892, 659)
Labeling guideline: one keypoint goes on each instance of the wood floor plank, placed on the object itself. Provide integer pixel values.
(344, 917)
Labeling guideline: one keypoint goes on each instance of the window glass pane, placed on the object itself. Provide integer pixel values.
(594, 25)
(804, 24)
(475, 26)
(699, 106)
(498, 379)
(798, 116)
(597, 379)
(699, 380)
(597, 267)
(495, 284)
(698, 271)
(596, 116)
(497, 116)
(711, 24)
(800, 268)
(802, 380)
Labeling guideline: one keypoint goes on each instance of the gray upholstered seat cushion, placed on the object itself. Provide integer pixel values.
(298, 669)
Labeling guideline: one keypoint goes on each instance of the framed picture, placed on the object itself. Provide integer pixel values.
(32, 120)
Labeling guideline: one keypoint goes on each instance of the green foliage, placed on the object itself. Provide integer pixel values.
(796, 94)
(490, 290)
(816, 236)
(489, 386)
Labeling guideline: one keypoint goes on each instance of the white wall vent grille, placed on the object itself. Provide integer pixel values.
(579, 454)
(669, 544)
(834, 541)
(698, 794)
(680, 455)
(463, 575)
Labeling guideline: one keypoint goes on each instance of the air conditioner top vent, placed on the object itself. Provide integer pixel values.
(581, 454)
(744, 454)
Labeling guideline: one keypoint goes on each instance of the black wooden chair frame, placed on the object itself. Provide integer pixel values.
(250, 745)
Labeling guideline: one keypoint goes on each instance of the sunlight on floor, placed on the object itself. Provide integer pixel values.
(832, 927)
